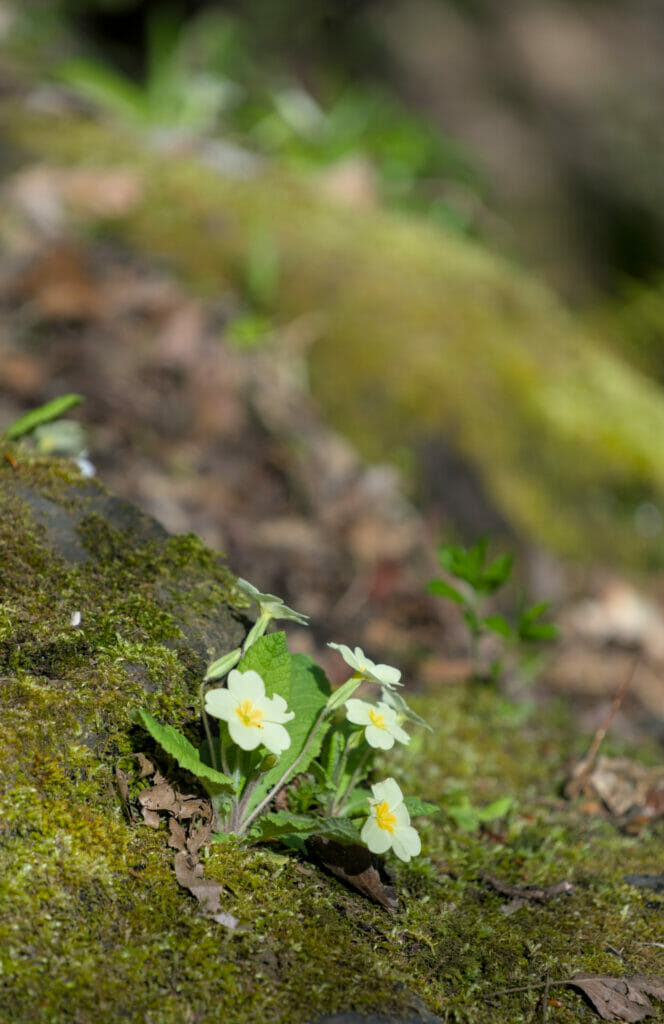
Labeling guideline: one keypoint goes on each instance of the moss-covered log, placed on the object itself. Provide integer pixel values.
(423, 334)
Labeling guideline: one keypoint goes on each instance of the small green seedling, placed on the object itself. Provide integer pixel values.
(469, 818)
(284, 730)
(34, 418)
(474, 580)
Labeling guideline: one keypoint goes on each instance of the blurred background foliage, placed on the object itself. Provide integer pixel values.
(532, 129)
(535, 126)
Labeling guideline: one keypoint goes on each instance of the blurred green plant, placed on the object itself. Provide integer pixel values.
(174, 93)
(201, 76)
(469, 818)
(474, 580)
(36, 418)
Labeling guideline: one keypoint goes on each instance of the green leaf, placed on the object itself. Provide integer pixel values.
(270, 657)
(343, 830)
(106, 88)
(535, 610)
(281, 823)
(357, 803)
(415, 806)
(543, 631)
(464, 815)
(497, 573)
(442, 589)
(309, 692)
(529, 629)
(496, 809)
(44, 414)
(179, 747)
(456, 560)
(497, 624)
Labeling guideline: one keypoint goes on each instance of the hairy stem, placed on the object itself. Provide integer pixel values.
(284, 778)
(353, 782)
(206, 726)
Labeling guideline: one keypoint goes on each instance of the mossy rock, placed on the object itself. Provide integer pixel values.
(423, 334)
(94, 924)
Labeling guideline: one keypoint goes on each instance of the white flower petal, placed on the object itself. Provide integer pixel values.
(275, 738)
(246, 736)
(378, 840)
(381, 739)
(220, 703)
(400, 812)
(357, 711)
(389, 791)
(270, 604)
(246, 686)
(387, 675)
(275, 709)
(400, 734)
(406, 843)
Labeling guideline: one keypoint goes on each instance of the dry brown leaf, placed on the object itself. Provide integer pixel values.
(626, 787)
(357, 867)
(178, 837)
(150, 818)
(146, 766)
(623, 999)
(189, 873)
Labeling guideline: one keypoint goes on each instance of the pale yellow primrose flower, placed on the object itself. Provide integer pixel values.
(385, 675)
(382, 728)
(252, 717)
(269, 605)
(388, 824)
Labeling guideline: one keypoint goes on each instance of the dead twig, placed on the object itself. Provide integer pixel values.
(585, 766)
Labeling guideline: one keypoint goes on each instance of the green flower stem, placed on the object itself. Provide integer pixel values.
(206, 726)
(338, 808)
(289, 771)
(224, 760)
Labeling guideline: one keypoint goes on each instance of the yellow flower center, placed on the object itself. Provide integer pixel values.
(384, 817)
(377, 719)
(249, 714)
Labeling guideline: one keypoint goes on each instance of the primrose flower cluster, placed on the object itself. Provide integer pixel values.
(283, 728)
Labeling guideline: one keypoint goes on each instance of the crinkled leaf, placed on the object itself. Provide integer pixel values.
(309, 692)
(415, 806)
(281, 823)
(44, 414)
(270, 657)
(179, 747)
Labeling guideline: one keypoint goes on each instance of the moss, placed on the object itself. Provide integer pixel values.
(96, 926)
